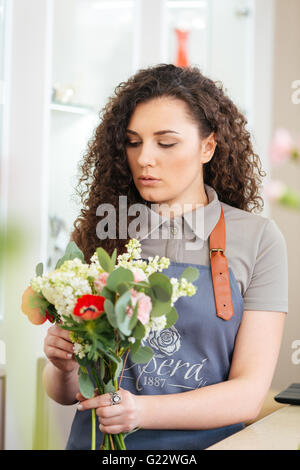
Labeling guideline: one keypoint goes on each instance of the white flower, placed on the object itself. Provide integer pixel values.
(79, 350)
(131, 339)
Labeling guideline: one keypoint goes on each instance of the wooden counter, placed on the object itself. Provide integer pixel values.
(277, 431)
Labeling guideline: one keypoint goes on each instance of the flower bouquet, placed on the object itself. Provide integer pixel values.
(110, 306)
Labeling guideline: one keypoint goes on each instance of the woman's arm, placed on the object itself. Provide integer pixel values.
(61, 385)
(236, 400)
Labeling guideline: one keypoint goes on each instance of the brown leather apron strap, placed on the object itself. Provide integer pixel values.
(219, 270)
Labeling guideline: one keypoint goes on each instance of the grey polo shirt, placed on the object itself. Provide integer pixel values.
(255, 248)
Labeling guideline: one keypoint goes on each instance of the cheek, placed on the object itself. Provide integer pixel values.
(183, 167)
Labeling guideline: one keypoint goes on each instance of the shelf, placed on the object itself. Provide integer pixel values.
(72, 108)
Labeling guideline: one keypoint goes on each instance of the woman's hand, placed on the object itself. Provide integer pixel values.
(113, 419)
(59, 349)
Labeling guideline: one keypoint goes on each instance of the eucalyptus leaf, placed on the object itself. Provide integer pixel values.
(114, 257)
(160, 293)
(72, 251)
(163, 283)
(104, 260)
(120, 306)
(142, 355)
(139, 331)
(190, 273)
(134, 318)
(110, 312)
(122, 288)
(124, 325)
(109, 387)
(172, 317)
(159, 308)
(39, 269)
(135, 346)
(117, 277)
(86, 386)
(108, 294)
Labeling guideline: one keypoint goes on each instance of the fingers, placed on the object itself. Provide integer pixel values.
(81, 397)
(55, 353)
(95, 402)
(60, 343)
(55, 330)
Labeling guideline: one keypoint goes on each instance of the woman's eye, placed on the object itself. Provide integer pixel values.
(135, 144)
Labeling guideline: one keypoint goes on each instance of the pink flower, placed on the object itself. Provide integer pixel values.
(274, 190)
(144, 306)
(138, 275)
(281, 147)
(100, 281)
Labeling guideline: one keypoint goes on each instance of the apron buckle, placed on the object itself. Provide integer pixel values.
(215, 249)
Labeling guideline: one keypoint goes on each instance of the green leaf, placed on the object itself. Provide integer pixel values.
(172, 317)
(102, 367)
(104, 260)
(139, 331)
(110, 312)
(134, 318)
(114, 257)
(109, 387)
(120, 306)
(124, 325)
(159, 308)
(72, 251)
(190, 274)
(122, 288)
(161, 286)
(117, 368)
(142, 355)
(108, 294)
(118, 276)
(39, 269)
(86, 386)
(135, 346)
(160, 293)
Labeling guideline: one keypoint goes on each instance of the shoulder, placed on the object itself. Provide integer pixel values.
(253, 229)
(257, 253)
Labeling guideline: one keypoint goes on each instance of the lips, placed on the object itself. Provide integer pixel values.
(148, 178)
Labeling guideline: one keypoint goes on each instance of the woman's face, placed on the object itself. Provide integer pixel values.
(164, 143)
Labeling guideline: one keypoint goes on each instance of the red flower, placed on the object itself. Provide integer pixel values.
(89, 307)
(49, 316)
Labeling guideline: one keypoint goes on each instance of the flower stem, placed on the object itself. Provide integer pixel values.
(111, 442)
(121, 437)
(124, 362)
(93, 446)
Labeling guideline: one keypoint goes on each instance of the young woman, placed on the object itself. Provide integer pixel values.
(211, 371)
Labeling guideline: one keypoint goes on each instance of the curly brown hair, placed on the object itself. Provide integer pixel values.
(234, 171)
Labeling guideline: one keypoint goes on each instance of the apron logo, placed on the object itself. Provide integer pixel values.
(160, 368)
(166, 341)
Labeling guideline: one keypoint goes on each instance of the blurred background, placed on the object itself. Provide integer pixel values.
(59, 62)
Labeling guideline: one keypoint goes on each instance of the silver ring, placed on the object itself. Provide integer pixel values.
(115, 398)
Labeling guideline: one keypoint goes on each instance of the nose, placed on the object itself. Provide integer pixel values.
(146, 155)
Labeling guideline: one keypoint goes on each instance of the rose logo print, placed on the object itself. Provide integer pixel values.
(166, 341)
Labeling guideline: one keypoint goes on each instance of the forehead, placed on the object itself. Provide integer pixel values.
(166, 111)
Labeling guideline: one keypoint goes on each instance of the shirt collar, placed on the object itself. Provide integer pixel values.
(201, 221)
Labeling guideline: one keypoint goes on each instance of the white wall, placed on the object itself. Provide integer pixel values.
(27, 205)
(286, 114)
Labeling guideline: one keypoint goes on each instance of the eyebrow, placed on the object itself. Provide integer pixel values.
(165, 131)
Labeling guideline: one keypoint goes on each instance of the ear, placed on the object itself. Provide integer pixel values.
(208, 147)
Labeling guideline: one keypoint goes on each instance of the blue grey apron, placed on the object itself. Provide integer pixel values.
(193, 353)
